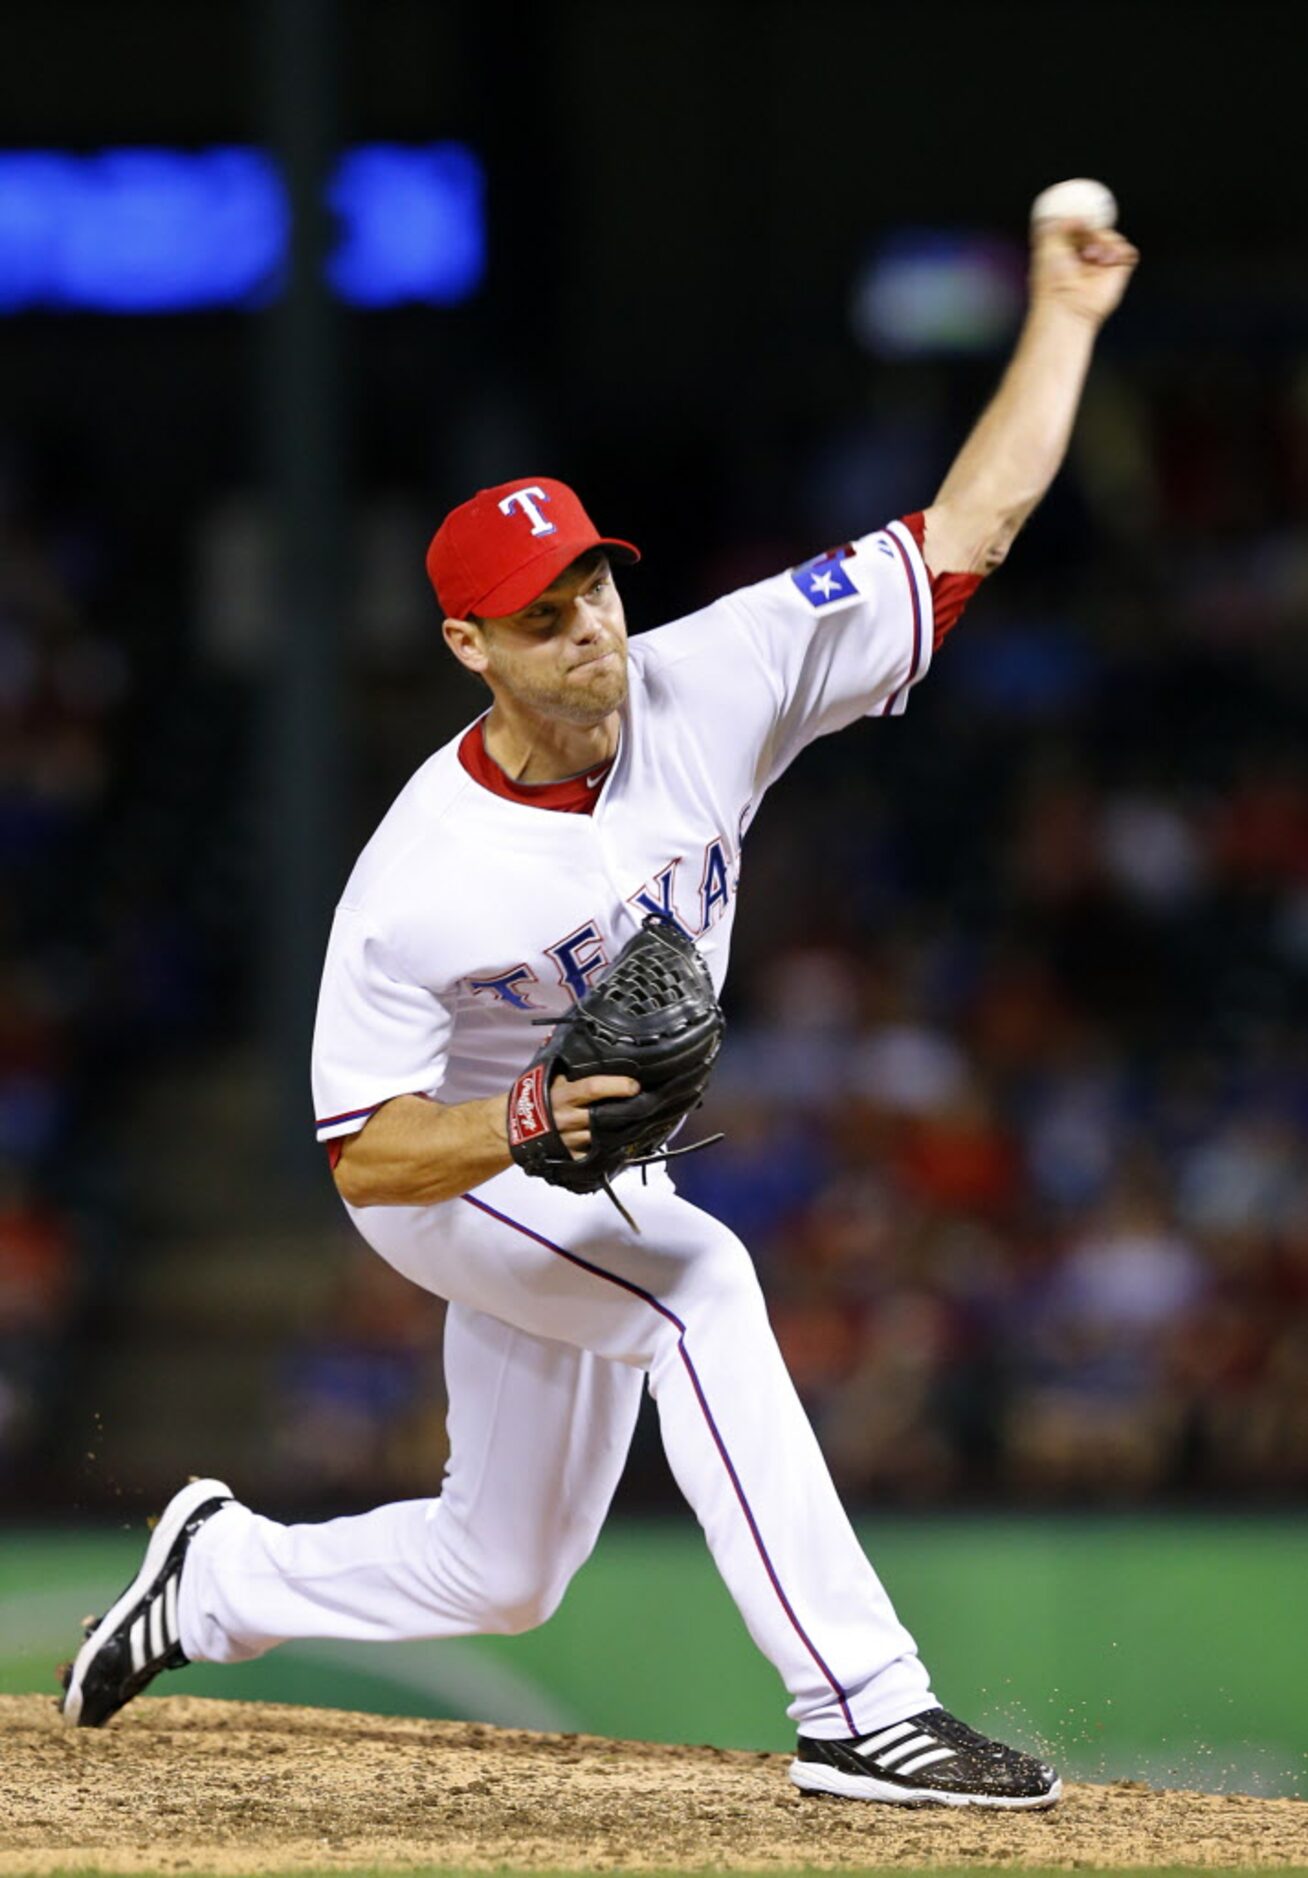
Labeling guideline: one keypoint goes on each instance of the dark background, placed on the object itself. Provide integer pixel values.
(1035, 1226)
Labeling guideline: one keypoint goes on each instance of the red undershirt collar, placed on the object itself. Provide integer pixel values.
(574, 795)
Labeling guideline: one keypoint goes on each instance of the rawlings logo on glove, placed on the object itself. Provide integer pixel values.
(528, 1107)
(652, 1016)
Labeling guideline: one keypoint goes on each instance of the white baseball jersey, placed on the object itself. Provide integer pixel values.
(468, 915)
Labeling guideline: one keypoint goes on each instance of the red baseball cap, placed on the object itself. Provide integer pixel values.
(495, 553)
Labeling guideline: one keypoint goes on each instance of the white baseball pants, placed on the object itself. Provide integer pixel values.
(557, 1314)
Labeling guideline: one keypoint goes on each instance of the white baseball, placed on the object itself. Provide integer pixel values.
(1079, 200)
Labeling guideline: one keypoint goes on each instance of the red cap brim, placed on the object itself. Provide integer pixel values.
(527, 583)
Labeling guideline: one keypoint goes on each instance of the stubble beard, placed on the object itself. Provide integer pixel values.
(584, 704)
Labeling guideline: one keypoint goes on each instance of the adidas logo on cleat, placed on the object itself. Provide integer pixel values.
(931, 1759)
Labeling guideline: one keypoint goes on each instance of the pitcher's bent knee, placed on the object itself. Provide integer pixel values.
(528, 1611)
(720, 1277)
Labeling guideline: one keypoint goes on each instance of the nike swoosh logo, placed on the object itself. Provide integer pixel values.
(593, 782)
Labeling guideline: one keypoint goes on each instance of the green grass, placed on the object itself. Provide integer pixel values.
(1171, 1651)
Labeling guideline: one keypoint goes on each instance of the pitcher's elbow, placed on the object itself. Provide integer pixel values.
(351, 1183)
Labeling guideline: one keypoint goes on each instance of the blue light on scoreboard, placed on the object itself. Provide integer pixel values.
(168, 231)
(412, 226)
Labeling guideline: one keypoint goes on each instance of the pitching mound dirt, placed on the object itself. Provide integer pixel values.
(248, 1787)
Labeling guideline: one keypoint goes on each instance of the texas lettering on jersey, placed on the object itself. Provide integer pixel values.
(581, 955)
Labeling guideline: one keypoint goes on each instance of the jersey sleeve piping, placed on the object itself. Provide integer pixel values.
(331, 1127)
(923, 628)
(328, 1127)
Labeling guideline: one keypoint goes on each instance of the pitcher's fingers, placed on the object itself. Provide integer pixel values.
(588, 1089)
(1105, 247)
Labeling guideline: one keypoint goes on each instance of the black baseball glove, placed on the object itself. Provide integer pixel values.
(652, 1016)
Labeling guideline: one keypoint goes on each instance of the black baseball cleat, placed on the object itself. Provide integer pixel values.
(933, 1759)
(139, 1637)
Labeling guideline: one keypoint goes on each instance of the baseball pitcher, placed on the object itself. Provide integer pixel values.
(518, 1010)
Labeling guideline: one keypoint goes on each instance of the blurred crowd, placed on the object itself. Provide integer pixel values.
(1004, 1252)
(62, 690)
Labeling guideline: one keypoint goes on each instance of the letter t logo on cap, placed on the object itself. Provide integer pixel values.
(526, 500)
(479, 566)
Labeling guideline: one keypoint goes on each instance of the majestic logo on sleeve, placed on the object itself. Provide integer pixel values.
(526, 500)
(527, 1112)
(823, 581)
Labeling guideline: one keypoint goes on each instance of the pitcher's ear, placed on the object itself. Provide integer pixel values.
(466, 641)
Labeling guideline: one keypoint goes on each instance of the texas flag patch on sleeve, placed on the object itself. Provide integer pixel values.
(823, 581)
